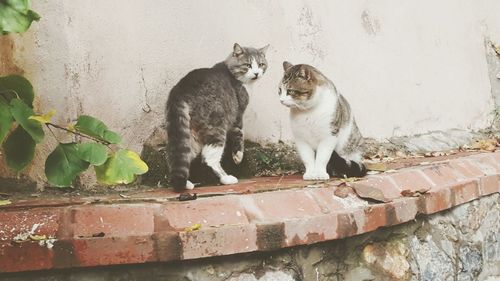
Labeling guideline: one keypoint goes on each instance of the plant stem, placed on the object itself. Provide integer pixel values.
(11, 92)
(78, 133)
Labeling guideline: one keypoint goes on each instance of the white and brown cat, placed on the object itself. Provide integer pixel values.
(326, 135)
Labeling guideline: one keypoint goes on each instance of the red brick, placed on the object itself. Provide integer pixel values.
(112, 220)
(442, 175)
(350, 223)
(487, 163)
(282, 205)
(44, 220)
(375, 217)
(396, 212)
(310, 230)
(226, 240)
(464, 192)
(25, 256)
(329, 203)
(434, 201)
(381, 188)
(406, 208)
(467, 168)
(412, 180)
(489, 184)
(114, 250)
(209, 212)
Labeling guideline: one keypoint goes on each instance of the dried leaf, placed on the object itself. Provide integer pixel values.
(45, 118)
(194, 227)
(35, 237)
(5, 202)
(352, 179)
(343, 190)
(488, 145)
(381, 167)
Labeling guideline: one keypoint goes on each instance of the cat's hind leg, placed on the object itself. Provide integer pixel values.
(349, 165)
(237, 144)
(211, 154)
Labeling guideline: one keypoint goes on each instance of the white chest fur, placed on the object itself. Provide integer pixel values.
(313, 125)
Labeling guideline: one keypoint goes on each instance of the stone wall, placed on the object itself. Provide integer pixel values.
(462, 244)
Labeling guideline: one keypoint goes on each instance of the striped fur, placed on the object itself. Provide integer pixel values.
(179, 137)
(204, 112)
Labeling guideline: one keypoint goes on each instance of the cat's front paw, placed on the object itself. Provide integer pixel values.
(228, 180)
(322, 176)
(316, 176)
(308, 176)
(237, 157)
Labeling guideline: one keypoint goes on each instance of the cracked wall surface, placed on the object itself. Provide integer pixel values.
(406, 69)
(462, 243)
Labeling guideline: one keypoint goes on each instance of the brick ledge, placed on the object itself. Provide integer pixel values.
(152, 228)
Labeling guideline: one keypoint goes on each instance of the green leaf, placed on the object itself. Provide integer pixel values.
(94, 153)
(63, 165)
(5, 120)
(15, 16)
(19, 149)
(121, 167)
(22, 113)
(16, 86)
(96, 128)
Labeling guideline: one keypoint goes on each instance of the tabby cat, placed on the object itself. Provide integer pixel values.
(326, 135)
(204, 112)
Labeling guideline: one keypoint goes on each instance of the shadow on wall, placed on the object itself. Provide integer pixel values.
(7, 65)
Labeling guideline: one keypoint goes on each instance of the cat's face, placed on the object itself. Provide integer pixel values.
(247, 64)
(298, 86)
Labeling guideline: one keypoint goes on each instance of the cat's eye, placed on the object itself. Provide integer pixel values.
(262, 64)
(247, 65)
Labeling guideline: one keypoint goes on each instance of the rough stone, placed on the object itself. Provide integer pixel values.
(388, 259)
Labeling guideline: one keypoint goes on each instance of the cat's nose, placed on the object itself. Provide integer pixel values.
(256, 75)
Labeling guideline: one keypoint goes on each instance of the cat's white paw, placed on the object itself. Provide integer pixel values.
(228, 180)
(308, 176)
(238, 157)
(189, 185)
(322, 176)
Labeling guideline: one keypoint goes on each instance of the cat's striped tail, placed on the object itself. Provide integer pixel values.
(338, 166)
(179, 150)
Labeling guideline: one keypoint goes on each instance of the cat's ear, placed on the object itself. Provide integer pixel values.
(286, 65)
(237, 50)
(264, 49)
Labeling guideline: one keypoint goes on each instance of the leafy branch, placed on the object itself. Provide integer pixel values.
(67, 160)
